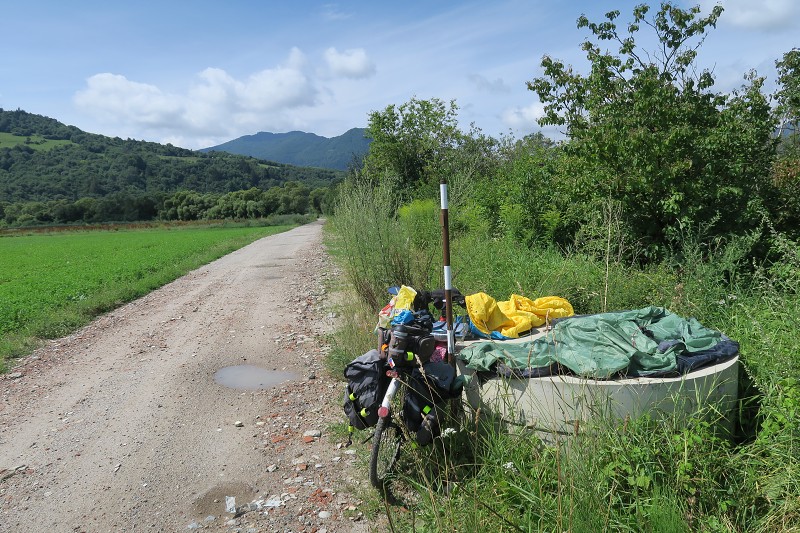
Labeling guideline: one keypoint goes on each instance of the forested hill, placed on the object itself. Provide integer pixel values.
(300, 148)
(42, 159)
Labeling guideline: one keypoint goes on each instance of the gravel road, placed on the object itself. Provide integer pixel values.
(123, 427)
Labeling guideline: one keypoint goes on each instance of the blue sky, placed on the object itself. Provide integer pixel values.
(198, 73)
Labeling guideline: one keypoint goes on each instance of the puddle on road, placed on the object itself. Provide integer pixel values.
(251, 377)
(212, 502)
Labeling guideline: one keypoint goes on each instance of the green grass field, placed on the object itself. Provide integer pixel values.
(37, 142)
(53, 283)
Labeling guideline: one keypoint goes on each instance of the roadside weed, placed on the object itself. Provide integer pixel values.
(654, 473)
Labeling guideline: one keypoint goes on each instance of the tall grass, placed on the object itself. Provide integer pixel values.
(644, 474)
(376, 247)
(503, 267)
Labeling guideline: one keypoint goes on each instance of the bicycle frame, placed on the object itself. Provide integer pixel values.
(385, 409)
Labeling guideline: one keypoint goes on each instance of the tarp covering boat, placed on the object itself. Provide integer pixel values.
(645, 342)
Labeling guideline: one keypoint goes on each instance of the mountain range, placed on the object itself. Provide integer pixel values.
(300, 148)
(42, 159)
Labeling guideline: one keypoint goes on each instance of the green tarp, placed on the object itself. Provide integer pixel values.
(640, 342)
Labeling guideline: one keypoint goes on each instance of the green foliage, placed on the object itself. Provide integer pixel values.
(688, 461)
(783, 273)
(666, 193)
(652, 473)
(22, 124)
(788, 96)
(254, 203)
(188, 205)
(782, 416)
(353, 335)
(709, 269)
(648, 474)
(516, 199)
(53, 174)
(34, 142)
(87, 165)
(515, 482)
(641, 475)
(646, 130)
(785, 172)
(370, 240)
(419, 223)
(417, 143)
(764, 322)
(117, 207)
(504, 267)
(409, 139)
(386, 218)
(785, 175)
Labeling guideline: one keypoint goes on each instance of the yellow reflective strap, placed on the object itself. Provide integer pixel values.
(364, 413)
(352, 397)
(350, 428)
(426, 409)
(410, 356)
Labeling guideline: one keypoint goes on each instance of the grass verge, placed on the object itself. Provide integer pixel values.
(649, 474)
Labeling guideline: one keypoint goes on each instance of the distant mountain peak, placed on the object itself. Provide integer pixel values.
(301, 148)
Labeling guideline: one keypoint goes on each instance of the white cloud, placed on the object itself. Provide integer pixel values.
(761, 14)
(523, 120)
(492, 86)
(523, 117)
(332, 12)
(115, 97)
(352, 63)
(277, 89)
(215, 106)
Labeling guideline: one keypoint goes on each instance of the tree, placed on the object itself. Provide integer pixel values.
(294, 198)
(525, 208)
(410, 141)
(647, 131)
(87, 208)
(788, 96)
(786, 167)
(318, 200)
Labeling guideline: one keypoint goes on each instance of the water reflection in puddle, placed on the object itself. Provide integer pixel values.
(251, 377)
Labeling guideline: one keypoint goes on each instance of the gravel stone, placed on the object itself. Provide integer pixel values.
(150, 365)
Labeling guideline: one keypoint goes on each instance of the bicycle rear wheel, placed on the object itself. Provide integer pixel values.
(386, 442)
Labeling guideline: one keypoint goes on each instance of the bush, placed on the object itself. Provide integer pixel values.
(372, 243)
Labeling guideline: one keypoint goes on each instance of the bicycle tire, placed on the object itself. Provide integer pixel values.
(386, 442)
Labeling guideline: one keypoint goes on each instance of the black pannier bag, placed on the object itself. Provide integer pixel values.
(366, 385)
(425, 400)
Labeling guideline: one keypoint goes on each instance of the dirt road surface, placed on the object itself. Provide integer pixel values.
(123, 427)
